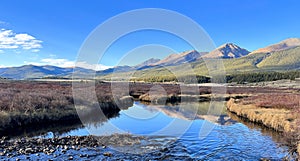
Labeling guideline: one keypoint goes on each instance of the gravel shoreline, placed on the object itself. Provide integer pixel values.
(26, 146)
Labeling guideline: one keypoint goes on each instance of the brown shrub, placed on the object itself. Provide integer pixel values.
(275, 100)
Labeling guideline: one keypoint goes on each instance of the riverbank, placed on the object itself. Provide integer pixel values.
(25, 104)
(10, 121)
(279, 118)
(173, 98)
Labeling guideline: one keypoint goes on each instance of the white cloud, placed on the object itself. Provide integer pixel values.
(11, 40)
(68, 63)
(58, 62)
(92, 66)
(54, 62)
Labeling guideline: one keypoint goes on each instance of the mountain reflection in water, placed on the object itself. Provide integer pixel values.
(193, 111)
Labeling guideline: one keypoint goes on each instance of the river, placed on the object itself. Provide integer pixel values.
(177, 132)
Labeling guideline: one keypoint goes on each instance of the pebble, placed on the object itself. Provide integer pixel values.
(28, 150)
(164, 149)
(10, 148)
(9, 154)
(66, 147)
(52, 150)
(108, 154)
(4, 138)
(48, 146)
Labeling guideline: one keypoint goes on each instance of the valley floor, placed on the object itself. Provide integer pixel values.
(27, 103)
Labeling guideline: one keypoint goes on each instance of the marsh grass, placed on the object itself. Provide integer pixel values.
(24, 103)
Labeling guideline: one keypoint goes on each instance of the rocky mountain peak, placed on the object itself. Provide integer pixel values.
(228, 50)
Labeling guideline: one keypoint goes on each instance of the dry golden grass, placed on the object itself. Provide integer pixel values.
(298, 149)
(277, 119)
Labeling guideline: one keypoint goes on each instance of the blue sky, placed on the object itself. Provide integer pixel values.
(51, 32)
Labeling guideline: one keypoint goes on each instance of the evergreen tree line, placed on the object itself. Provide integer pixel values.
(238, 78)
(261, 77)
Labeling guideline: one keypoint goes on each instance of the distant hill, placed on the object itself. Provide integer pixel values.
(184, 57)
(228, 50)
(284, 59)
(32, 71)
(117, 69)
(147, 63)
(126, 68)
(283, 45)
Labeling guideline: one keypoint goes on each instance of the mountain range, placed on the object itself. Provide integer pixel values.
(284, 55)
(32, 71)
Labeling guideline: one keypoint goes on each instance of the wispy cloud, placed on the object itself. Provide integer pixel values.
(3, 23)
(68, 63)
(24, 41)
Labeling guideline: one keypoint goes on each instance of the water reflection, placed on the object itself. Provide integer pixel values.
(43, 130)
(193, 111)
